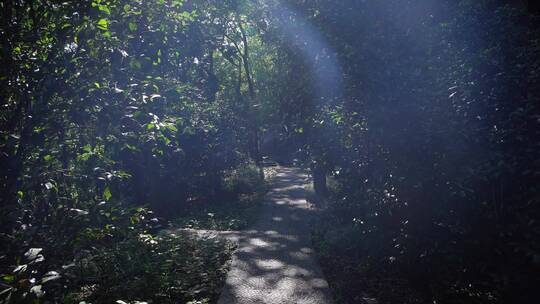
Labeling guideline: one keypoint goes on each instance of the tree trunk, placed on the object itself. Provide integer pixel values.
(319, 180)
(254, 136)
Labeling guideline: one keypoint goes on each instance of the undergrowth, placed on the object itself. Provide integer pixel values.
(237, 208)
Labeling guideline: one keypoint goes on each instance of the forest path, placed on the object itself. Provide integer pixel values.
(274, 262)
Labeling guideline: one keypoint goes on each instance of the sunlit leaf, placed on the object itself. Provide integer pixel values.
(105, 9)
(20, 268)
(50, 276)
(78, 211)
(87, 148)
(37, 291)
(103, 24)
(107, 193)
(32, 253)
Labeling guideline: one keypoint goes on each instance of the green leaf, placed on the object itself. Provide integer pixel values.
(47, 158)
(171, 127)
(132, 26)
(135, 64)
(8, 278)
(20, 194)
(150, 126)
(105, 9)
(131, 148)
(177, 3)
(103, 24)
(107, 193)
(165, 139)
(87, 148)
(84, 156)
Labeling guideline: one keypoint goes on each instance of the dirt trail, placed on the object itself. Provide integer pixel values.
(274, 262)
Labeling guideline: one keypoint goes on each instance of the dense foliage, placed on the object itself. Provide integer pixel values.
(114, 114)
(432, 145)
(418, 119)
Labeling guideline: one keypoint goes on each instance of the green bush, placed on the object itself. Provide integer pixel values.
(160, 269)
(244, 180)
(121, 257)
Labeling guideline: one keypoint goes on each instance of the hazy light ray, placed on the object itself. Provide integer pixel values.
(318, 53)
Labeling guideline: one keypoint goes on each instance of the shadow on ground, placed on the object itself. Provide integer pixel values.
(274, 262)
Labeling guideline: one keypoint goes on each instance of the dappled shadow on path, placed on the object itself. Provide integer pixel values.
(274, 262)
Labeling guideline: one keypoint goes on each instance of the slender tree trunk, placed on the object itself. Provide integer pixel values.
(319, 180)
(239, 84)
(254, 141)
(245, 60)
(212, 86)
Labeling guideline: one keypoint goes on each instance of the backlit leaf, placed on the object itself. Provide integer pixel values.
(107, 193)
